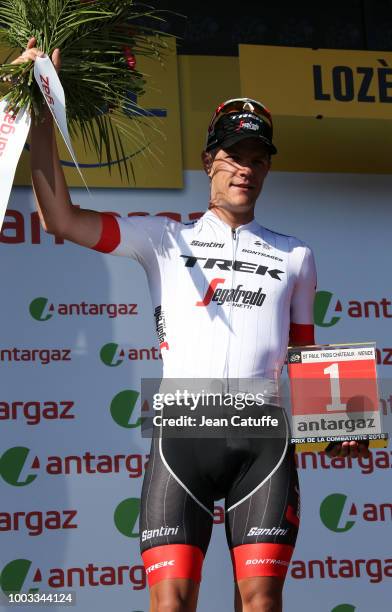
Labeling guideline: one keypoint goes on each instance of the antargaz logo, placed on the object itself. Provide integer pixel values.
(331, 511)
(12, 464)
(333, 507)
(39, 309)
(321, 309)
(122, 407)
(14, 575)
(328, 311)
(43, 310)
(112, 354)
(126, 516)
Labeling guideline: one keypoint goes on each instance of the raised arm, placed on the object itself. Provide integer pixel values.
(57, 214)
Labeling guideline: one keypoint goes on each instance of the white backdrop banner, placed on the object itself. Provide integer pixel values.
(78, 335)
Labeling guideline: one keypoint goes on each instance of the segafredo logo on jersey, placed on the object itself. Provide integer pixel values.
(236, 297)
(227, 264)
(328, 310)
(340, 515)
(23, 576)
(43, 310)
(113, 354)
(160, 326)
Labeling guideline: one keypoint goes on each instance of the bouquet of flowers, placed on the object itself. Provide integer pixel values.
(99, 41)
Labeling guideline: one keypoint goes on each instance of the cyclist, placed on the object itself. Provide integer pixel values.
(228, 295)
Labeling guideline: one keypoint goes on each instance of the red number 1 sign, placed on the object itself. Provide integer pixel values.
(334, 392)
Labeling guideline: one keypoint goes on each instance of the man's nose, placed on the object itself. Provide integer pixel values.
(245, 169)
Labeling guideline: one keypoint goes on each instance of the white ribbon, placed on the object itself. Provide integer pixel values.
(14, 130)
(53, 92)
(13, 133)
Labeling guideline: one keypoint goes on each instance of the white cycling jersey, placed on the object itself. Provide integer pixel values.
(223, 299)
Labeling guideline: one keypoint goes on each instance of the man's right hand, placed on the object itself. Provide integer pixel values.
(31, 53)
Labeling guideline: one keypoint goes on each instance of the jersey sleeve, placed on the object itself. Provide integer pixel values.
(139, 238)
(301, 310)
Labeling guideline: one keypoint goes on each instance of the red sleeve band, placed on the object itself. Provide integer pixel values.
(301, 334)
(110, 234)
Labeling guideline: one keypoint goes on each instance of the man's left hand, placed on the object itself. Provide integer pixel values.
(351, 449)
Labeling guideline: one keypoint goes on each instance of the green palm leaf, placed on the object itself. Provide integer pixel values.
(93, 36)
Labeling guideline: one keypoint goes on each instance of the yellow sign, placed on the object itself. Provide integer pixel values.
(156, 155)
(205, 83)
(319, 82)
(332, 109)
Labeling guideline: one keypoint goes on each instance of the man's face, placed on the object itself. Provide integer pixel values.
(237, 175)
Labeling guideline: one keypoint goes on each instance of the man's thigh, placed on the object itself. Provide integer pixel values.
(175, 526)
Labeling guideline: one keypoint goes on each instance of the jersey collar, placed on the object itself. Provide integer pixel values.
(213, 218)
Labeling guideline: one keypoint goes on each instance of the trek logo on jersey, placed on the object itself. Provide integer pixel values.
(270, 531)
(156, 566)
(236, 297)
(215, 245)
(226, 265)
(334, 512)
(43, 310)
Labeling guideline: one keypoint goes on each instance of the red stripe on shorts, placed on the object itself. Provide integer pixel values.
(173, 561)
(110, 234)
(264, 559)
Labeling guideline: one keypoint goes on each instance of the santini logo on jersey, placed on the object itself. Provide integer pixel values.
(259, 531)
(217, 245)
(148, 534)
(226, 265)
(237, 297)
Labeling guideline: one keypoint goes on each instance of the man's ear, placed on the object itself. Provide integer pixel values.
(207, 160)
